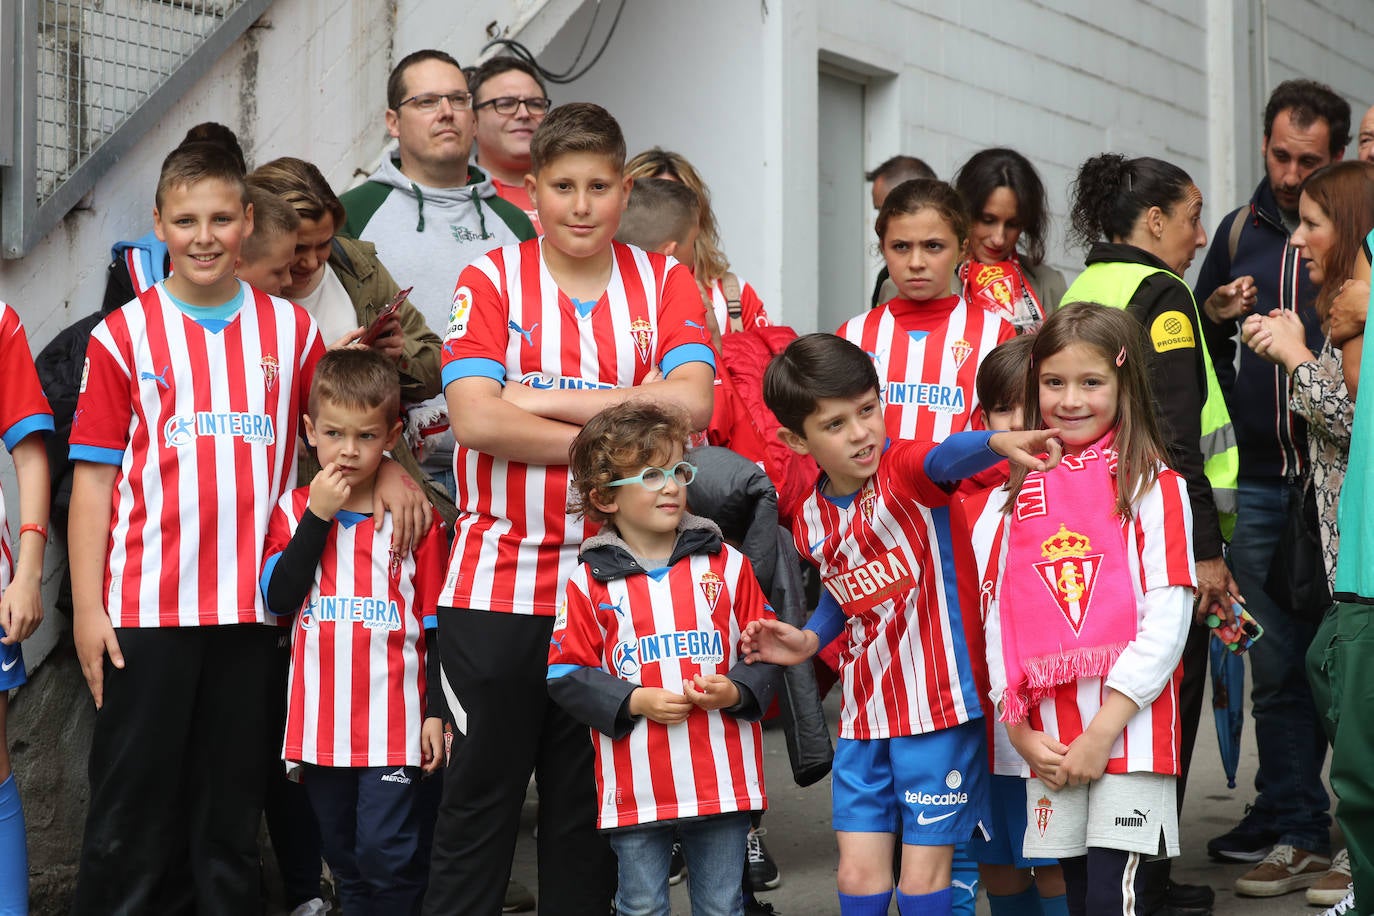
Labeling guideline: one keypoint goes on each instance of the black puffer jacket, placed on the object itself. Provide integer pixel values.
(735, 493)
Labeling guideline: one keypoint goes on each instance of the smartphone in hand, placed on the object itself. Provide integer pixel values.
(374, 329)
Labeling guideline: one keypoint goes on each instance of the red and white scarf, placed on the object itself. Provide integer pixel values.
(1001, 288)
(1067, 604)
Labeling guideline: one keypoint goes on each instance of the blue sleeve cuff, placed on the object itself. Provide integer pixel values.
(96, 455)
(37, 423)
(557, 671)
(472, 366)
(430, 622)
(687, 353)
(828, 621)
(961, 455)
(268, 567)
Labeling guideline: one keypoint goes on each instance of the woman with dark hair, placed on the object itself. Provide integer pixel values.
(1141, 220)
(1006, 271)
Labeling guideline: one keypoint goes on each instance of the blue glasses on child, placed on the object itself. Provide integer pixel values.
(655, 479)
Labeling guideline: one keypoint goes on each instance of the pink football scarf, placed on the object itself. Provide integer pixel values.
(1067, 605)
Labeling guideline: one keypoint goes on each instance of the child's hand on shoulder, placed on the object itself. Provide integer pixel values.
(663, 706)
(711, 691)
(328, 492)
(1036, 449)
(770, 640)
(432, 744)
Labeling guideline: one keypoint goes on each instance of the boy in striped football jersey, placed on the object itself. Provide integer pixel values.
(183, 439)
(911, 756)
(543, 336)
(645, 650)
(360, 714)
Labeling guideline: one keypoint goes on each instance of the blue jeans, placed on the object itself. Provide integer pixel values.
(1290, 797)
(714, 849)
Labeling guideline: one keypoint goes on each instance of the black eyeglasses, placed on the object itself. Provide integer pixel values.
(509, 105)
(428, 103)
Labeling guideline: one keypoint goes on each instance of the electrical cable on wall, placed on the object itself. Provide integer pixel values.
(572, 73)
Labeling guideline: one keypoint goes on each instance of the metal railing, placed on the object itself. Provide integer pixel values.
(89, 78)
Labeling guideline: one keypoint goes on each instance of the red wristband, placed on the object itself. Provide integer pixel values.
(32, 527)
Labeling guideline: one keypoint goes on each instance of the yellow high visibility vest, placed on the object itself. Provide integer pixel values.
(1113, 284)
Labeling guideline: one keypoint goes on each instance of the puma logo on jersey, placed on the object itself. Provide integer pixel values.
(160, 379)
(528, 335)
(607, 606)
(697, 327)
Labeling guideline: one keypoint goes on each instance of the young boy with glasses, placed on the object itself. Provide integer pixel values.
(645, 650)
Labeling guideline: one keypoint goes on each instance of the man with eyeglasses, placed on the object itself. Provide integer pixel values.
(430, 213)
(509, 101)
(427, 210)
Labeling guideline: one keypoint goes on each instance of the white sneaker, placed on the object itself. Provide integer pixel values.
(1345, 906)
(315, 906)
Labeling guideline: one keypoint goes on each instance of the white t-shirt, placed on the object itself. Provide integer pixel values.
(331, 308)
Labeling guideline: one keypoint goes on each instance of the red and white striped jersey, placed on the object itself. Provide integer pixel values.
(1159, 548)
(202, 426)
(888, 559)
(515, 543)
(927, 356)
(23, 411)
(356, 695)
(656, 632)
(752, 312)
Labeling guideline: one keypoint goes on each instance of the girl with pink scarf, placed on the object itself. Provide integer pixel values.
(1089, 594)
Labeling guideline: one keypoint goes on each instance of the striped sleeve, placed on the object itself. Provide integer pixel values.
(1164, 534)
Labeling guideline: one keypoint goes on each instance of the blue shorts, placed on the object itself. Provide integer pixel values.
(11, 665)
(934, 786)
(1008, 822)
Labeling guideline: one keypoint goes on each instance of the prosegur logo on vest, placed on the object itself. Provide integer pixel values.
(256, 428)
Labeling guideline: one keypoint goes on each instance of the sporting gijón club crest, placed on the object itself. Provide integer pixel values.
(1069, 571)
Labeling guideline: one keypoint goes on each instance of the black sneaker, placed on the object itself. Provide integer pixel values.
(763, 871)
(1244, 843)
(753, 906)
(1190, 898)
(677, 868)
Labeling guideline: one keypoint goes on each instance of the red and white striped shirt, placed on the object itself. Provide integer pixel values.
(888, 559)
(203, 427)
(515, 543)
(356, 695)
(23, 411)
(927, 356)
(656, 632)
(1159, 549)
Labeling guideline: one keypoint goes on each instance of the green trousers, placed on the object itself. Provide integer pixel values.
(1340, 665)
